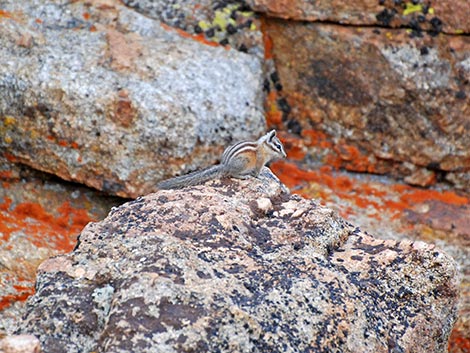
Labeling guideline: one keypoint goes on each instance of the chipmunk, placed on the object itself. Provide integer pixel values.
(242, 160)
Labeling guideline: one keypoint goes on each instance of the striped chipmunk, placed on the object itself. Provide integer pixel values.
(242, 160)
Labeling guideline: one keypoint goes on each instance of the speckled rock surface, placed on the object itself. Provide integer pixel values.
(433, 16)
(20, 344)
(240, 266)
(97, 93)
(388, 102)
(225, 22)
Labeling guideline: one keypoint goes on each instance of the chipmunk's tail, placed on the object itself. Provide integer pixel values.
(194, 178)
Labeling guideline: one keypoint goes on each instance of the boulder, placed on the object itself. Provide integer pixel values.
(439, 16)
(387, 102)
(96, 93)
(240, 266)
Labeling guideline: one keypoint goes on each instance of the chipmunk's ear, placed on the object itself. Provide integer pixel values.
(271, 134)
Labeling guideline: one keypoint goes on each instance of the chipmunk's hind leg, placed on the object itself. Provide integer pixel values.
(240, 168)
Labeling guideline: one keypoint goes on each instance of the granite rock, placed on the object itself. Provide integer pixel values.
(240, 266)
(96, 93)
(432, 16)
(218, 21)
(20, 344)
(389, 103)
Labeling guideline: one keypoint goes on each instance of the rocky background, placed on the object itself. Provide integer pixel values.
(101, 99)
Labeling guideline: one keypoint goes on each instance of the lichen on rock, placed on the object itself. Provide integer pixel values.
(115, 100)
(240, 266)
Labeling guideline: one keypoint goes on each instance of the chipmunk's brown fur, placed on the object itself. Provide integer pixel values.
(241, 160)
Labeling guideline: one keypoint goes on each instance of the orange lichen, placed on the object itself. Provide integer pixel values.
(78, 217)
(32, 210)
(21, 288)
(291, 175)
(346, 152)
(62, 142)
(414, 196)
(326, 169)
(350, 158)
(197, 37)
(5, 205)
(10, 157)
(55, 231)
(344, 183)
(5, 14)
(316, 138)
(7, 300)
(459, 342)
(273, 114)
(267, 41)
(392, 200)
(86, 15)
(6, 174)
(295, 152)
(339, 155)
(364, 203)
(43, 226)
(347, 211)
(401, 187)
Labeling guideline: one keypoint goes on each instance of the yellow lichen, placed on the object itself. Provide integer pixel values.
(204, 25)
(411, 8)
(222, 17)
(9, 120)
(220, 20)
(34, 134)
(8, 139)
(246, 14)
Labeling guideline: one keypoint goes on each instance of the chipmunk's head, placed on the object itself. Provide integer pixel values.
(274, 144)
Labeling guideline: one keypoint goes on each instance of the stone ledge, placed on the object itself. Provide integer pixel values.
(240, 266)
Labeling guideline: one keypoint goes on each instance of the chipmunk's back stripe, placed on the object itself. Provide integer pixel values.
(238, 148)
